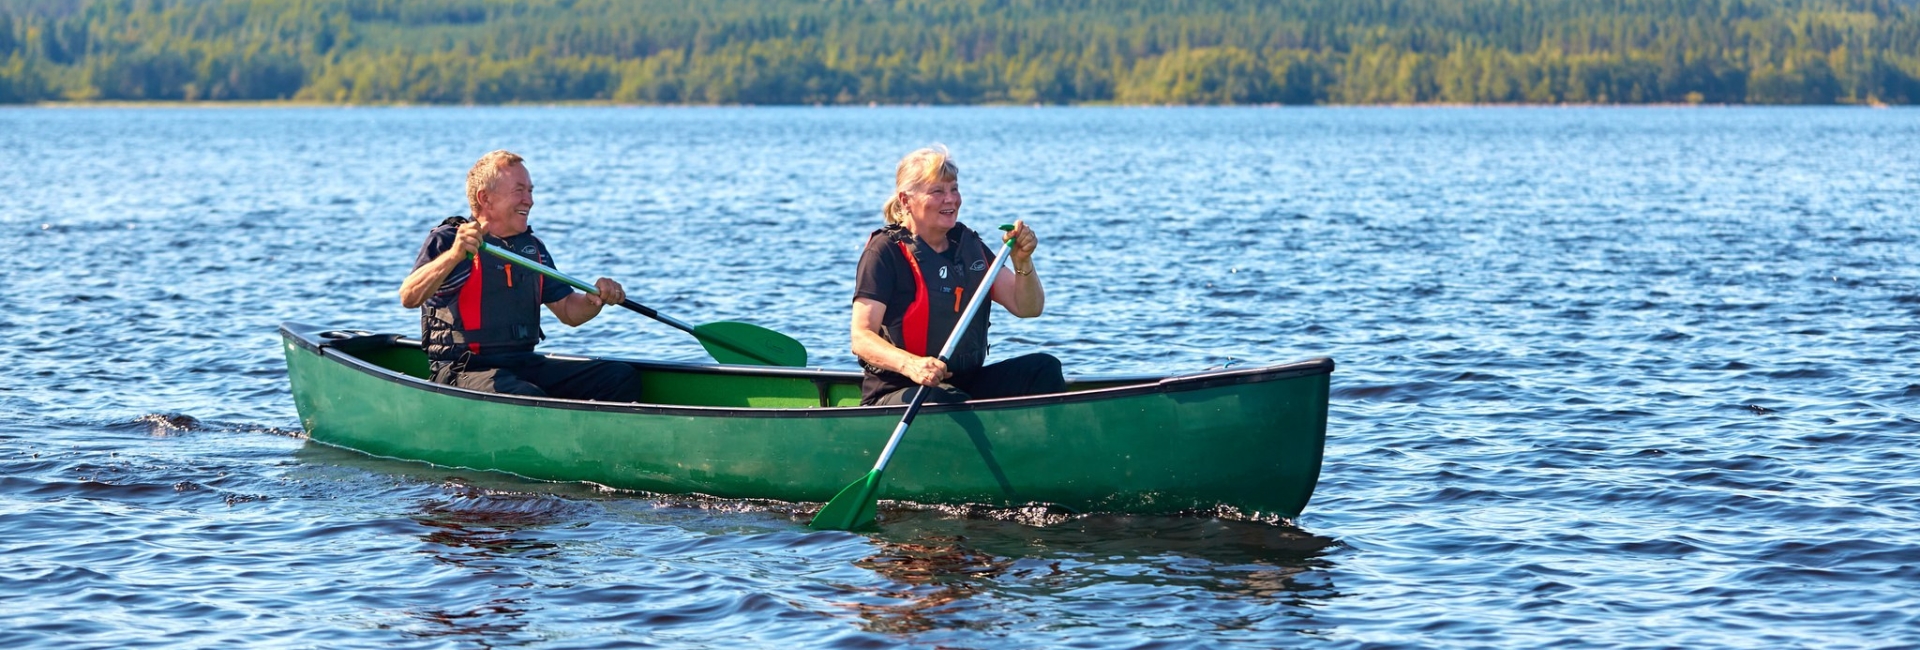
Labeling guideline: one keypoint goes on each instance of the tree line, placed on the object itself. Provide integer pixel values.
(963, 51)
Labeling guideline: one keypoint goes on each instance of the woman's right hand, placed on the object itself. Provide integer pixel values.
(926, 371)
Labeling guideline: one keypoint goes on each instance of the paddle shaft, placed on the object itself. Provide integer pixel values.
(953, 339)
(644, 310)
(852, 505)
(577, 283)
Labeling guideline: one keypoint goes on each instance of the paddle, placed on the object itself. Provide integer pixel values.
(727, 341)
(855, 505)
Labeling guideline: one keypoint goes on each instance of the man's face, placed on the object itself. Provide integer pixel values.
(507, 201)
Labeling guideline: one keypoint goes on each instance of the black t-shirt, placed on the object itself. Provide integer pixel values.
(441, 239)
(885, 276)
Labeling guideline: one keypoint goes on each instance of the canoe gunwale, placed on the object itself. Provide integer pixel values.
(325, 343)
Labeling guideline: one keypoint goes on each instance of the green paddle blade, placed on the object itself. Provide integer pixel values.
(852, 509)
(742, 343)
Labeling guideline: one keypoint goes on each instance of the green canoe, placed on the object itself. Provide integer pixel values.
(1241, 441)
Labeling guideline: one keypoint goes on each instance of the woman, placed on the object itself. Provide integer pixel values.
(912, 285)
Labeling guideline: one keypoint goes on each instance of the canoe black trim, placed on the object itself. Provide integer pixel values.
(340, 345)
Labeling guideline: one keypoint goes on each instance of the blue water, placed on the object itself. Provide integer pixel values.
(1609, 377)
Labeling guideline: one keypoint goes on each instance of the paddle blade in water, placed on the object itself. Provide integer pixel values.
(742, 343)
(852, 509)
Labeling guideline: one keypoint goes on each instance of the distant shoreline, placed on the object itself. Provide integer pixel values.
(180, 53)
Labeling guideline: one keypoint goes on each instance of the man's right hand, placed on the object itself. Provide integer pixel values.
(926, 371)
(426, 279)
(466, 242)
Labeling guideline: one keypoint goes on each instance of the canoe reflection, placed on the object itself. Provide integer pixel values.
(933, 573)
(983, 569)
(484, 534)
(481, 623)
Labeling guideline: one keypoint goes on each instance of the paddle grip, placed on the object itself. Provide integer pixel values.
(643, 309)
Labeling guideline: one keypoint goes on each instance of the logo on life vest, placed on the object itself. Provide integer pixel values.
(943, 272)
(527, 249)
(978, 265)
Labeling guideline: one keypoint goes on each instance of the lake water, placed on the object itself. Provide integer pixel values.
(1608, 377)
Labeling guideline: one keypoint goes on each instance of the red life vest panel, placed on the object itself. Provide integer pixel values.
(497, 309)
(942, 286)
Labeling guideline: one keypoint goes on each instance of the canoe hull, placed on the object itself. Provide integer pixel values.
(1250, 443)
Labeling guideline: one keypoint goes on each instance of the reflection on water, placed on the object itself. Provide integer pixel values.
(989, 569)
(493, 535)
(932, 573)
(1219, 541)
(932, 570)
(474, 525)
(475, 532)
(481, 624)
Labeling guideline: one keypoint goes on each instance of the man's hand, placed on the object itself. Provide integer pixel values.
(926, 371)
(581, 306)
(466, 241)
(425, 280)
(611, 293)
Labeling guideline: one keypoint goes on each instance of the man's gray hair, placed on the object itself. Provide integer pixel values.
(484, 171)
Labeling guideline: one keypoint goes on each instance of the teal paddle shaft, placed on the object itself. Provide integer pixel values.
(854, 506)
(738, 342)
(577, 283)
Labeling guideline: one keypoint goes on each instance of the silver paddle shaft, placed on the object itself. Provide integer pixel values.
(953, 339)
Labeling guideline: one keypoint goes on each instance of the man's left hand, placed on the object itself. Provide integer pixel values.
(611, 293)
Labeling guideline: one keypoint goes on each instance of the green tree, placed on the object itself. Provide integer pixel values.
(926, 51)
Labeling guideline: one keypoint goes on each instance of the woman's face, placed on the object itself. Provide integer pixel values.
(934, 207)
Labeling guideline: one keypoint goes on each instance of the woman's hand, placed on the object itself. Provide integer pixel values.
(1024, 241)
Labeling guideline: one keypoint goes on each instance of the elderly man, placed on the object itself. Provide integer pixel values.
(480, 316)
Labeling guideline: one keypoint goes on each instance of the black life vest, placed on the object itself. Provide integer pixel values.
(942, 288)
(497, 309)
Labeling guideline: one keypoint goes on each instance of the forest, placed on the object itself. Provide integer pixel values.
(962, 51)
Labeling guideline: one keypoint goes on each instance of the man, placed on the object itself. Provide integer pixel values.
(480, 316)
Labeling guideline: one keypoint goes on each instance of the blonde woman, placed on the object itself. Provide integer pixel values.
(911, 288)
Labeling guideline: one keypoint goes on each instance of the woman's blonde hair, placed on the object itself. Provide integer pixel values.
(922, 167)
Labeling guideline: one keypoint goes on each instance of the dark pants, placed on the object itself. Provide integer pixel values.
(1031, 374)
(535, 375)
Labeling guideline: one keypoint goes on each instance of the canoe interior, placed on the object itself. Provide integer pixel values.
(688, 384)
